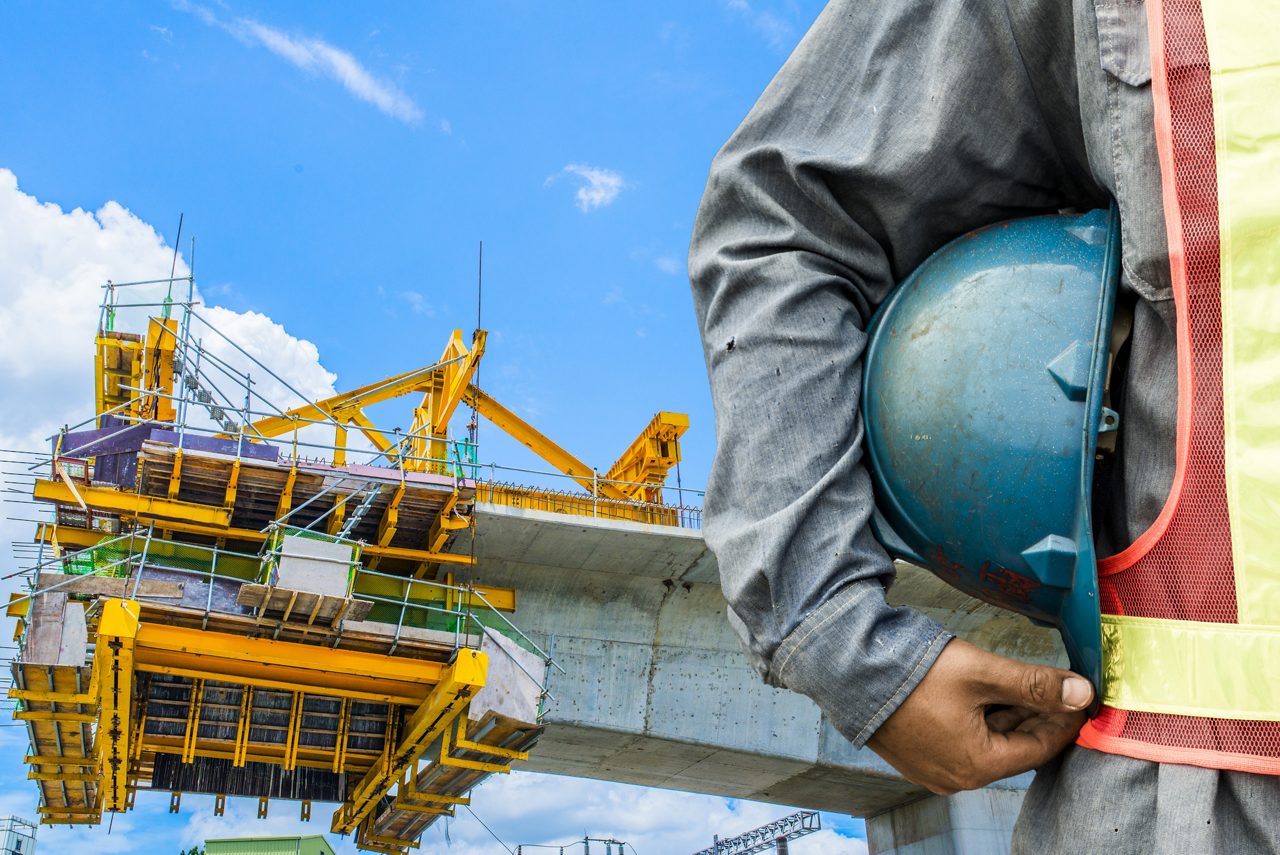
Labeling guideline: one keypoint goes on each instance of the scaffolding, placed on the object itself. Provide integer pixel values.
(245, 597)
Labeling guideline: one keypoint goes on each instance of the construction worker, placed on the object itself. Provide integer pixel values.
(894, 127)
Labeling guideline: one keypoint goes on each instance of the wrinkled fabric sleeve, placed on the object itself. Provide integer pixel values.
(893, 127)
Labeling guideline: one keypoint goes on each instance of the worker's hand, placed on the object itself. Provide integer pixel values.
(977, 717)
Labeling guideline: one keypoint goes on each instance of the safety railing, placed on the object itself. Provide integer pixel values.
(457, 612)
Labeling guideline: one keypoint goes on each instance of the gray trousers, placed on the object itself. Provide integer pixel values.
(1089, 802)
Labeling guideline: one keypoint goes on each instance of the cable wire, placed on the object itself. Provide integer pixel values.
(490, 830)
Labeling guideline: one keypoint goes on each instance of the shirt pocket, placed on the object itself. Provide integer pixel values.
(1123, 45)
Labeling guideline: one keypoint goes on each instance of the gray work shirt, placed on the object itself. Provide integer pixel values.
(894, 127)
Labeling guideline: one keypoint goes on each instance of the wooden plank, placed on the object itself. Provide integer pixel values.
(108, 586)
(307, 608)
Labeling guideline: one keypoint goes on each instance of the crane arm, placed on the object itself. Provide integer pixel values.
(531, 438)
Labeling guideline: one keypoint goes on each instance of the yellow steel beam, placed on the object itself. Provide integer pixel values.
(118, 629)
(311, 757)
(447, 760)
(430, 427)
(69, 777)
(175, 476)
(49, 715)
(379, 848)
(528, 435)
(47, 534)
(445, 523)
(67, 536)
(459, 683)
(139, 731)
(286, 495)
(133, 504)
(441, 798)
(53, 810)
(383, 840)
(341, 737)
(157, 371)
(233, 484)
(373, 393)
(369, 429)
(249, 676)
(193, 721)
(291, 735)
(89, 697)
(457, 378)
(646, 462)
(390, 517)
(59, 760)
(284, 664)
(480, 748)
(242, 726)
(402, 804)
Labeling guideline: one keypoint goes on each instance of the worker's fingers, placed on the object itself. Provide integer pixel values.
(1031, 744)
(1036, 687)
(1004, 719)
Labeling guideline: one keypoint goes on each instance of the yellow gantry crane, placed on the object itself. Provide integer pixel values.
(213, 612)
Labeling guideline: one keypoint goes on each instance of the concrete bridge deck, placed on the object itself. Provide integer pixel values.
(658, 692)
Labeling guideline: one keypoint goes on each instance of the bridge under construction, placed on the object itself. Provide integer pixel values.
(283, 601)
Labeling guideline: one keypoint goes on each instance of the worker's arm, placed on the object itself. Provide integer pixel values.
(894, 127)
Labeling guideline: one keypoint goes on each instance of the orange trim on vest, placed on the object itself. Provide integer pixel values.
(1178, 275)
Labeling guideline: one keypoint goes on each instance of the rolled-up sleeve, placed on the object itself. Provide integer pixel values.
(892, 128)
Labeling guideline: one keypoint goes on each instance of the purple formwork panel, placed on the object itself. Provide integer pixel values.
(116, 445)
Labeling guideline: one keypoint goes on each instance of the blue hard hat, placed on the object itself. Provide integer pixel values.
(983, 401)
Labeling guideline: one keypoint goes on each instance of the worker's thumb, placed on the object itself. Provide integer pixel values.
(1043, 689)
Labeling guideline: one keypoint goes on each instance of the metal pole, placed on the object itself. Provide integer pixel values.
(142, 563)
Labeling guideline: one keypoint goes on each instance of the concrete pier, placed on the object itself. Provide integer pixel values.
(969, 823)
(658, 692)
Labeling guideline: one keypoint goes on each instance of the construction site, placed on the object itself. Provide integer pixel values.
(221, 604)
(282, 601)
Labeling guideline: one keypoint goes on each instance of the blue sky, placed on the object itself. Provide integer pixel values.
(338, 165)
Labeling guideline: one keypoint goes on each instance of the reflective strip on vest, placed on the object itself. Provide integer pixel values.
(1187, 667)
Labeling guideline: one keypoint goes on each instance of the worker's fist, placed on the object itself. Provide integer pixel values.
(977, 717)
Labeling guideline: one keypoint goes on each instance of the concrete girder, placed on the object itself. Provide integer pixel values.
(658, 691)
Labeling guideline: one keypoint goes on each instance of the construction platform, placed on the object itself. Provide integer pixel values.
(225, 601)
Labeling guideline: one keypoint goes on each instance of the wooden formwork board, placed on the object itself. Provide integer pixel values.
(204, 478)
(301, 607)
(439, 779)
(71, 741)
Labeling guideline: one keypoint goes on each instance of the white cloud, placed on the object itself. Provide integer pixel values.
(776, 30)
(549, 809)
(669, 265)
(53, 264)
(317, 56)
(599, 188)
(418, 304)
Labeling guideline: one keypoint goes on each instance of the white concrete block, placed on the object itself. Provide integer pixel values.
(314, 566)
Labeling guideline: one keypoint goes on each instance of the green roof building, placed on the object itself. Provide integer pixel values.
(312, 844)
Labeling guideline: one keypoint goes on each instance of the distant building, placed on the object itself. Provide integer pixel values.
(311, 844)
(17, 836)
